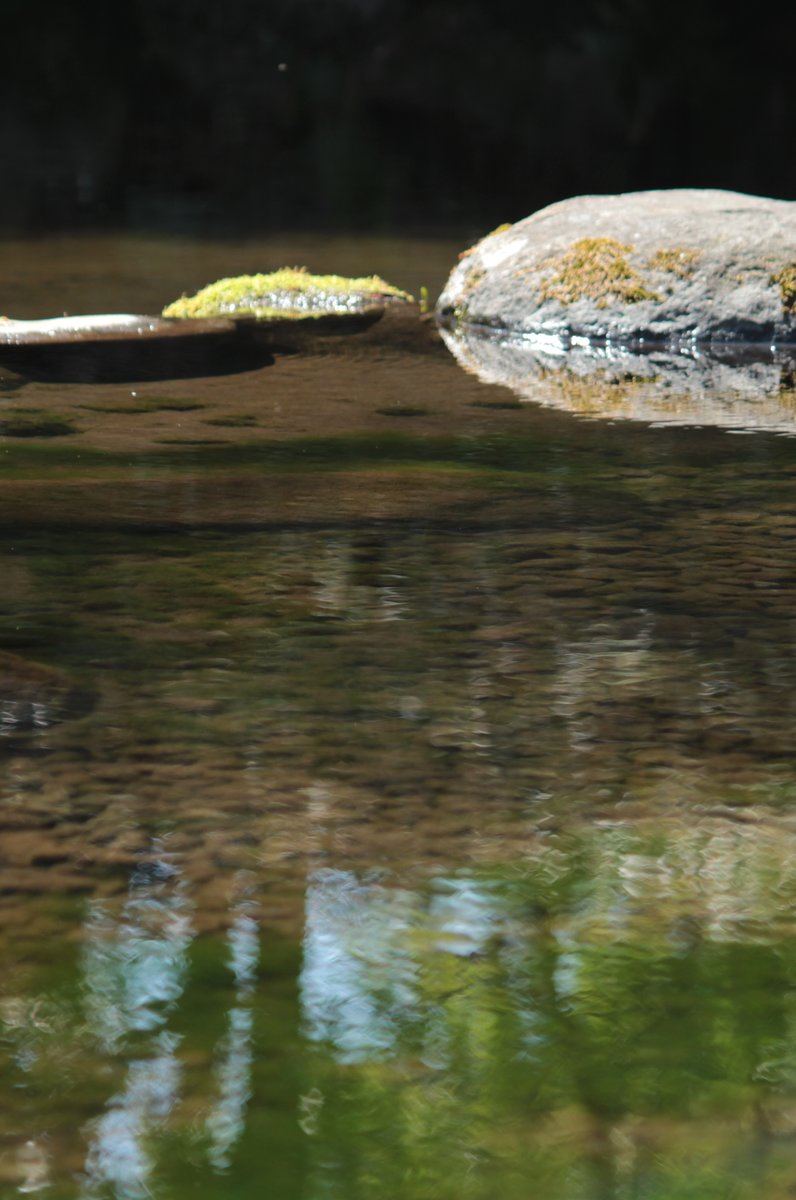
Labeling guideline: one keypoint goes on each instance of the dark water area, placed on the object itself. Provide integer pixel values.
(397, 785)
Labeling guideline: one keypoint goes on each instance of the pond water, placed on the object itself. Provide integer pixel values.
(397, 778)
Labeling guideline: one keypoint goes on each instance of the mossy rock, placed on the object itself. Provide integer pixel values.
(291, 293)
(671, 267)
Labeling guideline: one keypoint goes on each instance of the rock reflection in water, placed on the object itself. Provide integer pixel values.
(751, 388)
(33, 696)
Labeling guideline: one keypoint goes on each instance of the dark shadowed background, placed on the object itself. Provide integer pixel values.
(380, 114)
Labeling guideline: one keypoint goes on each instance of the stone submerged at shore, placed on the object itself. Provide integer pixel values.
(663, 267)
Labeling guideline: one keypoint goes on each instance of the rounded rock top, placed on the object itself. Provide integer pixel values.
(291, 293)
(661, 267)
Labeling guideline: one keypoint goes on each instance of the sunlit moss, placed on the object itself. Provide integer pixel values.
(475, 276)
(289, 292)
(499, 229)
(677, 260)
(597, 269)
(34, 423)
(786, 280)
(145, 404)
(234, 420)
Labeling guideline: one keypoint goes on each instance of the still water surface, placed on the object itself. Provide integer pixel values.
(403, 803)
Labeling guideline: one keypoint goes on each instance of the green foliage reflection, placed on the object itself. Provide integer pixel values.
(612, 1017)
(537, 1026)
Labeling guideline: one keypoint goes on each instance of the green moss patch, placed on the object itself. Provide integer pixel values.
(33, 423)
(498, 229)
(596, 269)
(677, 260)
(289, 292)
(234, 420)
(786, 281)
(145, 404)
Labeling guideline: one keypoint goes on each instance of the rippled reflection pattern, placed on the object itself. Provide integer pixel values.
(442, 864)
(362, 979)
(135, 973)
(612, 1015)
(135, 964)
(226, 1119)
(598, 1023)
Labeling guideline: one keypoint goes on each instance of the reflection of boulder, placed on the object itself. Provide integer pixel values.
(686, 265)
(33, 696)
(749, 389)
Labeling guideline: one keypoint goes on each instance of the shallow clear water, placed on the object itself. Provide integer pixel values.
(397, 794)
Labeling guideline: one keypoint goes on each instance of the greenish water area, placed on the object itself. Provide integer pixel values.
(392, 803)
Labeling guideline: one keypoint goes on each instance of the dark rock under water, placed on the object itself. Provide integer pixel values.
(34, 696)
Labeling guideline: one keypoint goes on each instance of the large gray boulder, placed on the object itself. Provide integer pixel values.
(672, 267)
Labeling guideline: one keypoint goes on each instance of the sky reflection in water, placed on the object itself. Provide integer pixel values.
(616, 1013)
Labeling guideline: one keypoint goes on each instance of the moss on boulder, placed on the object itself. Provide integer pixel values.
(596, 268)
(786, 280)
(290, 293)
(681, 266)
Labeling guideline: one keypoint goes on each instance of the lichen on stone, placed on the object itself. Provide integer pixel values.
(291, 292)
(594, 268)
(474, 275)
(786, 281)
(498, 229)
(677, 260)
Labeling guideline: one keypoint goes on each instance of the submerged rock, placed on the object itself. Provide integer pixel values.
(34, 696)
(677, 267)
(291, 293)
